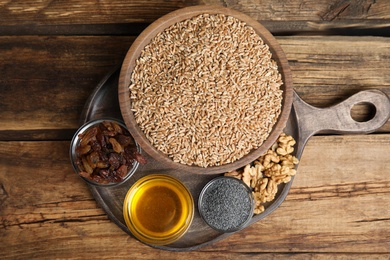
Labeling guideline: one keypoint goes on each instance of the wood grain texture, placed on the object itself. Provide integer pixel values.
(337, 206)
(334, 68)
(290, 16)
(86, 12)
(60, 73)
(53, 54)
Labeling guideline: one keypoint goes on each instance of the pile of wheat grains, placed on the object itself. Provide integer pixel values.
(206, 91)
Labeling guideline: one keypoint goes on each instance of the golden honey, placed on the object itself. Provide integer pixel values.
(158, 209)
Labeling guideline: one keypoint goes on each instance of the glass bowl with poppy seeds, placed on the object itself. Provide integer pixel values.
(226, 204)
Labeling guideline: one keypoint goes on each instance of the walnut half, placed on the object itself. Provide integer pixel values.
(264, 175)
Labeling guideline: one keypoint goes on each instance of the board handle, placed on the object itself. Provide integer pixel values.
(337, 119)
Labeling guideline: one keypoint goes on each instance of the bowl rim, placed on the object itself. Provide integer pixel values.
(250, 195)
(179, 15)
(75, 141)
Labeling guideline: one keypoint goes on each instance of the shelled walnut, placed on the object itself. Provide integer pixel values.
(264, 175)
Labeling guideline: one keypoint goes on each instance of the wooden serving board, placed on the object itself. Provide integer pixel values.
(304, 121)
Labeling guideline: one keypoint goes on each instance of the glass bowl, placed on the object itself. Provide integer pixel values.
(158, 209)
(226, 204)
(100, 160)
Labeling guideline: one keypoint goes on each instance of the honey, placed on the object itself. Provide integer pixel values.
(158, 209)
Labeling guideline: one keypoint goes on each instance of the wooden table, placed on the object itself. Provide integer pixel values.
(54, 53)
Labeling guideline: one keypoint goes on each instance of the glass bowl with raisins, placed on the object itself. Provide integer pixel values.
(104, 153)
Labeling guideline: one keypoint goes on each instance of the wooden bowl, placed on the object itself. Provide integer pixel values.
(161, 24)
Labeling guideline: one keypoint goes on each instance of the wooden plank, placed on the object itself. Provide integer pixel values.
(86, 12)
(46, 80)
(339, 199)
(327, 70)
(292, 16)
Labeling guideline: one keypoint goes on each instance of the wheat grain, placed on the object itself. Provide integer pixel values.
(206, 91)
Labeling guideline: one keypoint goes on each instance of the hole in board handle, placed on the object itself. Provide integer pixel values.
(363, 112)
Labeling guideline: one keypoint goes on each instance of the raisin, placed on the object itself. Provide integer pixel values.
(106, 153)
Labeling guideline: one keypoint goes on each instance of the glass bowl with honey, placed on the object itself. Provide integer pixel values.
(158, 209)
